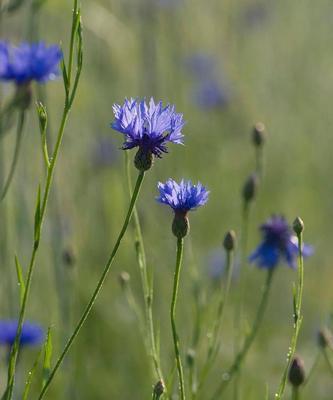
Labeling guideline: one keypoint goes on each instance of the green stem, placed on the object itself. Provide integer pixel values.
(295, 393)
(260, 162)
(98, 287)
(180, 248)
(313, 368)
(214, 347)
(328, 361)
(19, 134)
(147, 291)
(297, 319)
(240, 297)
(41, 214)
(250, 338)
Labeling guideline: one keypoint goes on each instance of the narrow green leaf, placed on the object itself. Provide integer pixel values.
(48, 348)
(20, 279)
(295, 314)
(37, 219)
(65, 76)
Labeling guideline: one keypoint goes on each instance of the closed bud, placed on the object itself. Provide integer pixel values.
(298, 226)
(296, 372)
(325, 338)
(250, 188)
(180, 225)
(190, 357)
(259, 134)
(42, 116)
(124, 278)
(159, 389)
(143, 159)
(229, 241)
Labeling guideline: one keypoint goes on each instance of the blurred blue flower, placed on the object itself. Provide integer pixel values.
(278, 244)
(183, 196)
(254, 15)
(217, 265)
(148, 126)
(210, 94)
(32, 334)
(28, 62)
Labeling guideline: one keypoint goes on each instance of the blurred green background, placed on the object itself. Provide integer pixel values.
(225, 65)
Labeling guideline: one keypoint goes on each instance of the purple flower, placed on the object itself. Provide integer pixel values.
(28, 62)
(32, 334)
(148, 126)
(182, 197)
(278, 244)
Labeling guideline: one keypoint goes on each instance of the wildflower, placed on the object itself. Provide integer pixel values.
(29, 62)
(182, 197)
(32, 334)
(278, 243)
(149, 127)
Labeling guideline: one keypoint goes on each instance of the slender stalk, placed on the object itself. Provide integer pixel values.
(297, 319)
(260, 161)
(19, 134)
(147, 290)
(98, 287)
(295, 393)
(215, 344)
(41, 208)
(249, 339)
(240, 297)
(328, 361)
(313, 368)
(180, 248)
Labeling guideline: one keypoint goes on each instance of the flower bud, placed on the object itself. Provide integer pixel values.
(325, 338)
(180, 224)
(298, 226)
(259, 134)
(250, 188)
(190, 357)
(296, 372)
(159, 389)
(124, 278)
(229, 241)
(143, 159)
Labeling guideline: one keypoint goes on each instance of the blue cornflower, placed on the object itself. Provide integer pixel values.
(32, 334)
(278, 244)
(149, 127)
(182, 197)
(29, 62)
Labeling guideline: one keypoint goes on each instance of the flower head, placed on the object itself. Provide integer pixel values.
(32, 334)
(278, 244)
(148, 126)
(28, 62)
(183, 196)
